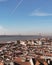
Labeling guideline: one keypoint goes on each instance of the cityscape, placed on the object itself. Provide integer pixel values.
(25, 32)
(30, 52)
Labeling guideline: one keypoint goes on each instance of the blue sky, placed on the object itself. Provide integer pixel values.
(25, 16)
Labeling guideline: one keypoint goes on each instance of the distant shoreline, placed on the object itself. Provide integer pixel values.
(21, 37)
(26, 35)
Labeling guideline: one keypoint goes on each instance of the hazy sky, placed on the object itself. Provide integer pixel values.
(25, 16)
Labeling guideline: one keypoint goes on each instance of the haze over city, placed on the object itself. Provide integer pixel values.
(26, 17)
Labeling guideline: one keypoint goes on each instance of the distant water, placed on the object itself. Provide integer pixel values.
(18, 37)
